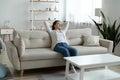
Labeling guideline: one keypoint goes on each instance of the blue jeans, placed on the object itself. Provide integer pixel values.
(65, 49)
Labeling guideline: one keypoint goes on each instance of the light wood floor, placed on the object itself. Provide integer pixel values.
(35, 73)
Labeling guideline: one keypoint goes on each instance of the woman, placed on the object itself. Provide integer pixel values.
(59, 42)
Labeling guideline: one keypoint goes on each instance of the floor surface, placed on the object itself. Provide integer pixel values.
(34, 74)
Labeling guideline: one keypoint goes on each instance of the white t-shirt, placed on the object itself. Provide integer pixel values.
(60, 36)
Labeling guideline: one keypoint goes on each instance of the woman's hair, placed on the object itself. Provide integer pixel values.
(54, 23)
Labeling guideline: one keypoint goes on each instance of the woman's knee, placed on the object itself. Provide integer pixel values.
(74, 52)
(63, 51)
(66, 53)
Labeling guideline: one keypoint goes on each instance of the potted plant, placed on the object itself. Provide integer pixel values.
(109, 31)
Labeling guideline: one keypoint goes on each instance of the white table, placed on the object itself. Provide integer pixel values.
(91, 61)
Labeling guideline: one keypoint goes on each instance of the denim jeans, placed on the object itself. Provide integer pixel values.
(65, 49)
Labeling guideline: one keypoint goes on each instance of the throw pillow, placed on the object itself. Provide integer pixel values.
(91, 40)
(20, 45)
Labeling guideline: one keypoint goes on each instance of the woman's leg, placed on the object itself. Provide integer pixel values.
(66, 51)
(61, 49)
(73, 51)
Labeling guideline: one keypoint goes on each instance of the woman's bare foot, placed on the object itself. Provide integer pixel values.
(72, 69)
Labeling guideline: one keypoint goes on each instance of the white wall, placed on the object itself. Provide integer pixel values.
(17, 12)
(111, 8)
(14, 10)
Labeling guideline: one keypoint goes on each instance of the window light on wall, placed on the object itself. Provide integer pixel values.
(82, 9)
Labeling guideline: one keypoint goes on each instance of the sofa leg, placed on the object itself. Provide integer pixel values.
(21, 72)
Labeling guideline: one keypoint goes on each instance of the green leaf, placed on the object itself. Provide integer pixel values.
(103, 16)
(117, 29)
(99, 28)
(118, 38)
(114, 25)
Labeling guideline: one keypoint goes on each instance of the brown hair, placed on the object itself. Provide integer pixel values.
(53, 28)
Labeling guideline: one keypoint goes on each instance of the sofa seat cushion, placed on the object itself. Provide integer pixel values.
(39, 54)
(86, 50)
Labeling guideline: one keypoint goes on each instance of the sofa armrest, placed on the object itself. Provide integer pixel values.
(107, 43)
(13, 55)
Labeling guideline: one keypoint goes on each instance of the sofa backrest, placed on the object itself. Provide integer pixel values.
(34, 39)
(41, 39)
(74, 36)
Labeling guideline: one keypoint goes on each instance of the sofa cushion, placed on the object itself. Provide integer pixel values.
(41, 53)
(19, 43)
(47, 53)
(74, 36)
(86, 50)
(91, 40)
(35, 39)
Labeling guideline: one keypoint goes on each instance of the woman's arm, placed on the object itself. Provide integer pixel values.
(66, 27)
(47, 25)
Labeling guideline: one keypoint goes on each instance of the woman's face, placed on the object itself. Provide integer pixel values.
(57, 25)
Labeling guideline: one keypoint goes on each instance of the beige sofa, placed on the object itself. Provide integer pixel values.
(31, 49)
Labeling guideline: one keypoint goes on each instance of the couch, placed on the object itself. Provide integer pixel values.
(31, 49)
